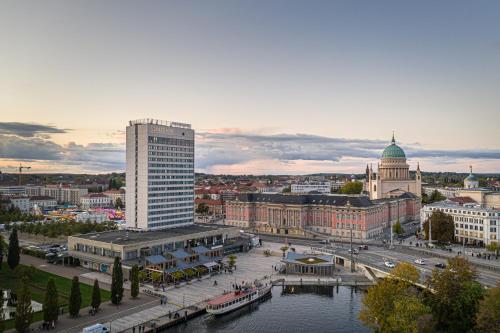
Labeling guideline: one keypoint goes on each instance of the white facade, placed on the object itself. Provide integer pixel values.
(321, 187)
(62, 194)
(448, 192)
(23, 203)
(42, 202)
(95, 200)
(475, 224)
(12, 190)
(116, 194)
(159, 174)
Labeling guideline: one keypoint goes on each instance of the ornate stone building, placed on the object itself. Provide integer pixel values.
(392, 178)
(328, 214)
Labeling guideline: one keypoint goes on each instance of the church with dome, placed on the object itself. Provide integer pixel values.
(392, 178)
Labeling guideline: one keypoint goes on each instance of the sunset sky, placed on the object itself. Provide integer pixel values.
(278, 87)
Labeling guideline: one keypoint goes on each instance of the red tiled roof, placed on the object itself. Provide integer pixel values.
(463, 200)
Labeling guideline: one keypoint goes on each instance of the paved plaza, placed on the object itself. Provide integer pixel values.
(249, 267)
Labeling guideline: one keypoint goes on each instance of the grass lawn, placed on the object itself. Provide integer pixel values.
(8, 280)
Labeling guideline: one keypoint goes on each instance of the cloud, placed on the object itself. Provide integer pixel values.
(217, 150)
(30, 142)
(230, 151)
(29, 130)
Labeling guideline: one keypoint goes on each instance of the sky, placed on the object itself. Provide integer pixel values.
(271, 87)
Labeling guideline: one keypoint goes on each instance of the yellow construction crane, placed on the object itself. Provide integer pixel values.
(21, 167)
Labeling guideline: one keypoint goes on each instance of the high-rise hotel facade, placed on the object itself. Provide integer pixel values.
(160, 174)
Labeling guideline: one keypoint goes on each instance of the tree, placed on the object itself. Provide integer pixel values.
(13, 255)
(50, 304)
(397, 228)
(202, 209)
(24, 312)
(456, 297)
(118, 203)
(232, 261)
(117, 282)
(96, 295)
(2, 324)
(284, 249)
(1, 252)
(488, 316)
(142, 276)
(155, 276)
(493, 247)
(443, 228)
(436, 196)
(75, 298)
(354, 187)
(287, 189)
(134, 282)
(406, 272)
(394, 304)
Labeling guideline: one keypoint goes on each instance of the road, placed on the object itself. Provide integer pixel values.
(375, 256)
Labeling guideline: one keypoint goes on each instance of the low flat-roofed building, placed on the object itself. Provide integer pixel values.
(309, 264)
(43, 202)
(95, 200)
(97, 250)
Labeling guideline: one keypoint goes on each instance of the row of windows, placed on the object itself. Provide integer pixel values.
(467, 212)
(171, 199)
(171, 218)
(161, 153)
(471, 227)
(170, 159)
(165, 223)
(171, 141)
(170, 177)
(172, 213)
(172, 205)
(96, 250)
(172, 182)
(163, 194)
(167, 165)
(166, 148)
(170, 171)
(176, 188)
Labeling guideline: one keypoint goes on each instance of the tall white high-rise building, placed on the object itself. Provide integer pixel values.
(160, 174)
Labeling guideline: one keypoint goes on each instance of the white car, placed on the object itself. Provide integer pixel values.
(389, 264)
(420, 261)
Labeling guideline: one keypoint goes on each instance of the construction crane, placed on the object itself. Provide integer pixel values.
(21, 167)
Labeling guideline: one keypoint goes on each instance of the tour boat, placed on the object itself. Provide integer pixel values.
(234, 300)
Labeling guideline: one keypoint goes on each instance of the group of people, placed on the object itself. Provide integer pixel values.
(48, 325)
(163, 300)
(140, 328)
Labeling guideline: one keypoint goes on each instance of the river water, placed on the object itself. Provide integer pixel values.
(308, 309)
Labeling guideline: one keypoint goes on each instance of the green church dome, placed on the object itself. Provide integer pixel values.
(393, 151)
(471, 178)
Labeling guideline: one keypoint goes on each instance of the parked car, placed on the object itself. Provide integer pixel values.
(440, 265)
(389, 264)
(420, 261)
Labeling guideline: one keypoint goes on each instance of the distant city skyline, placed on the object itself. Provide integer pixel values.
(286, 87)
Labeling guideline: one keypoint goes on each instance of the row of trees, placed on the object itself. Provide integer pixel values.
(454, 302)
(67, 228)
(354, 187)
(14, 214)
(434, 197)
